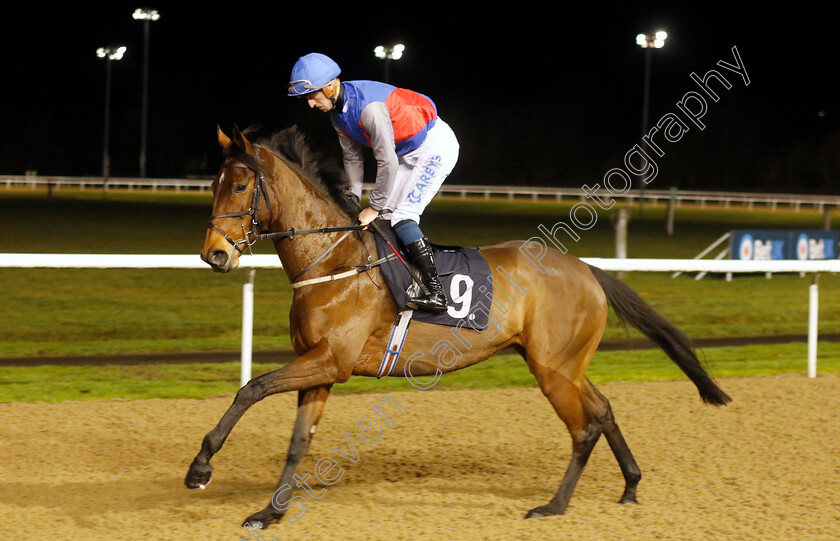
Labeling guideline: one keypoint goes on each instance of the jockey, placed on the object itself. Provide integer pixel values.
(414, 151)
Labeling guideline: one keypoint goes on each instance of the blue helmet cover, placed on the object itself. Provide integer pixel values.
(312, 72)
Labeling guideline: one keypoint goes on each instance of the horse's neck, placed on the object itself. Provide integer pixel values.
(297, 204)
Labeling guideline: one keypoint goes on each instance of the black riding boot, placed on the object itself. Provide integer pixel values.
(422, 256)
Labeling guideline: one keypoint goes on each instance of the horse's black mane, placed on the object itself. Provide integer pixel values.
(324, 173)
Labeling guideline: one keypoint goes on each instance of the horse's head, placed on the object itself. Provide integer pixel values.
(241, 208)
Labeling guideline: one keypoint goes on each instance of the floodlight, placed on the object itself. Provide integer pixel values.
(111, 53)
(146, 14)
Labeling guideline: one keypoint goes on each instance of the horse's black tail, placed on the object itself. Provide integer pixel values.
(630, 308)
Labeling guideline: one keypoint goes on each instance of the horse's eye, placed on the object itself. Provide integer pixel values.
(240, 188)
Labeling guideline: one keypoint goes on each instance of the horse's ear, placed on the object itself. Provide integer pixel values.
(241, 141)
(224, 140)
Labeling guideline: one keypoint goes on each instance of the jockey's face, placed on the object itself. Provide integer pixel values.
(319, 100)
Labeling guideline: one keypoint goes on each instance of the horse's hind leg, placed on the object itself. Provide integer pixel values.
(311, 404)
(629, 469)
(587, 414)
(573, 408)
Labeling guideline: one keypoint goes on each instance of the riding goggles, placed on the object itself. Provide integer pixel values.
(302, 86)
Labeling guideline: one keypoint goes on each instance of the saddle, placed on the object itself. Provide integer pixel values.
(464, 273)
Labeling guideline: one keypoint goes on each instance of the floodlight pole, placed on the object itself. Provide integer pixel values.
(147, 16)
(109, 54)
(648, 42)
(387, 70)
(106, 161)
(646, 92)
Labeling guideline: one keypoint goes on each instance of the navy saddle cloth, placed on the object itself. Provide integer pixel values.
(465, 276)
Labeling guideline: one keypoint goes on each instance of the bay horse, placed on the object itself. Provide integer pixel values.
(340, 327)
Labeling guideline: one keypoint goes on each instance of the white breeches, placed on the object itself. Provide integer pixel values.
(421, 173)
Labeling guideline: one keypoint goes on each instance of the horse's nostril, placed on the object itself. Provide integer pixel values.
(218, 257)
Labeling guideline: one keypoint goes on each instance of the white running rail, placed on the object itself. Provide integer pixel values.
(156, 261)
(771, 201)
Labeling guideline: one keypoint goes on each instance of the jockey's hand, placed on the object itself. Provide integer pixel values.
(367, 215)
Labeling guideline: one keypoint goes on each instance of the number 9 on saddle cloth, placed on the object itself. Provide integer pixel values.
(465, 276)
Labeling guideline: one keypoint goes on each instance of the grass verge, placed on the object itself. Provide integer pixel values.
(52, 383)
(110, 312)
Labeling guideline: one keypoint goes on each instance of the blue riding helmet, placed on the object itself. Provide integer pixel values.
(312, 72)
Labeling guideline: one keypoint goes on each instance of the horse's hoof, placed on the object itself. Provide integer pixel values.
(255, 525)
(542, 511)
(261, 519)
(198, 476)
(627, 499)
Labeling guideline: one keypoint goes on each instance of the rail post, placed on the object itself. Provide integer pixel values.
(813, 319)
(621, 237)
(247, 328)
(672, 202)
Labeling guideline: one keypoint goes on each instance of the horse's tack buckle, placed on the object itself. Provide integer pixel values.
(246, 240)
(366, 267)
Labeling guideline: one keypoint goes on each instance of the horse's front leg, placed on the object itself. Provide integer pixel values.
(311, 404)
(317, 367)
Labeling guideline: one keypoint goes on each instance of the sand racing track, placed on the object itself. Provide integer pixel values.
(456, 465)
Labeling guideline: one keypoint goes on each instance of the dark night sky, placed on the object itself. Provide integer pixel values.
(536, 97)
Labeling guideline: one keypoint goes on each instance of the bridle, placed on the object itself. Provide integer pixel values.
(259, 232)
